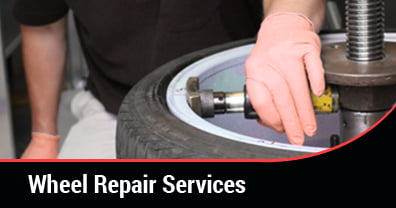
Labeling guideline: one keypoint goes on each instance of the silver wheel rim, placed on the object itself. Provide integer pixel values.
(217, 71)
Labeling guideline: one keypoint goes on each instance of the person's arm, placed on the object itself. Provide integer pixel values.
(44, 54)
(285, 65)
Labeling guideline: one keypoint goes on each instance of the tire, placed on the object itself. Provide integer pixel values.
(147, 129)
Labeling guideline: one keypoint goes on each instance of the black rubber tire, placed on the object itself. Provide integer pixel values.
(147, 129)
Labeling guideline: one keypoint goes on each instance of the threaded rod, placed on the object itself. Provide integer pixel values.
(365, 30)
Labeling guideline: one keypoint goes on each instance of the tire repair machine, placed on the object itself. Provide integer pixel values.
(360, 75)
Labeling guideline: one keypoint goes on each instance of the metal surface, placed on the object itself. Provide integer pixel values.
(234, 102)
(219, 102)
(207, 103)
(224, 72)
(227, 102)
(333, 17)
(354, 123)
(6, 139)
(365, 29)
(206, 100)
(193, 95)
(342, 71)
(364, 68)
(367, 99)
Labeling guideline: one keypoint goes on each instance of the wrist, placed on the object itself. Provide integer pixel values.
(46, 125)
(288, 19)
(45, 133)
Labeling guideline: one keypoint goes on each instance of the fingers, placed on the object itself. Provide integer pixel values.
(263, 105)
(273, 102)
(283, 63)
(299, 90)
(285, 105)
(315, 71)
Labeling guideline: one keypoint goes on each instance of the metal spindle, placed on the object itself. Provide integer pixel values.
(365, 30)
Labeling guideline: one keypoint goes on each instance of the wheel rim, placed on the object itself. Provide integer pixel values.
(223, 71)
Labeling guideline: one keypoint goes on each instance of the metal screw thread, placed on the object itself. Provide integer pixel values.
(365, 29)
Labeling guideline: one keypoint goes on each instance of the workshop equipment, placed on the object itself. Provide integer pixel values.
(360, 73)
(207, 103)
(363, 68)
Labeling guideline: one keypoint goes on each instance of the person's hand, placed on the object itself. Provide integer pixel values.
(285, 58)
(42, 146)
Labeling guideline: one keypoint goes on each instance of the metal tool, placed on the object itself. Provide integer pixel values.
(360, 73)
(363, 68)
(207, 103)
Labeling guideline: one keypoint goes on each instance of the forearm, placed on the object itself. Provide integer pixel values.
(44, 52)
(313, 9)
